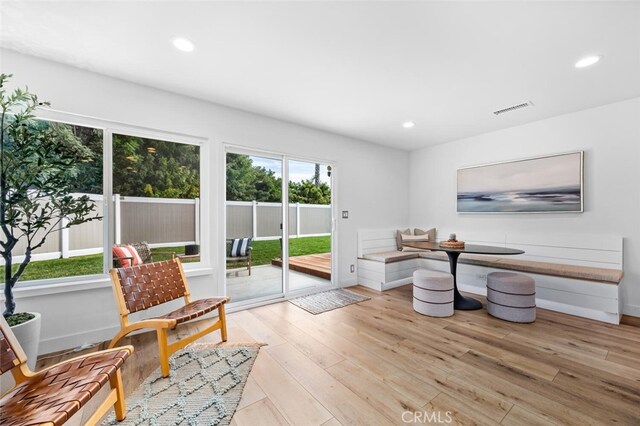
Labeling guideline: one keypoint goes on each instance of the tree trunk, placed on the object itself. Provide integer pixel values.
(316, 175)
(9, 303)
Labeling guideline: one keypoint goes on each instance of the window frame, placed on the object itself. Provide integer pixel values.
(109, 128)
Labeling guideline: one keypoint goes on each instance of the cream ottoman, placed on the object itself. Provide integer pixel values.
(433, 293)
(511, 296)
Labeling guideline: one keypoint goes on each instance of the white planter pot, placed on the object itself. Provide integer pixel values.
(28, 335)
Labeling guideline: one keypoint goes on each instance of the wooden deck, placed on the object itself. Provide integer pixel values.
(318, 265)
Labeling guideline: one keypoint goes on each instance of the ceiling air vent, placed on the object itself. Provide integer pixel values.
(513, 108)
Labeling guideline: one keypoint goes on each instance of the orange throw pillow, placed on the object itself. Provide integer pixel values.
(124, 254)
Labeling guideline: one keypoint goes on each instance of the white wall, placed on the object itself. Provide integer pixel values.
(610, 137)
(371, 178)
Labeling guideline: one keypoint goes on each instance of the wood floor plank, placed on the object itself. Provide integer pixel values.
(387, 400)
(581, 361)
(256, 329)
(591, 407)
(522, 360)
(251, 393)
(600, 368)
(262, 413)
(625, 360)
(332, 422)
(348, 349)
(608, 393)
(446, 407)
(320, 353)
(520, 417)
(289, 310)
(554, 348)
(344, 404)
(410, 385)
(236, 333)
(538, 404)
(481, 401)
(291, 399)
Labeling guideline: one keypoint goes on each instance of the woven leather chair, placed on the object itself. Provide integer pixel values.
(51, 396)
(239, 259)
(140, 287)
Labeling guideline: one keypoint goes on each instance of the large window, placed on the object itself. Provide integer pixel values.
(60, 251)
(155, 200)
(156, 187)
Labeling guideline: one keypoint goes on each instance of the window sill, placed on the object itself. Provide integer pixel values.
(90, 283)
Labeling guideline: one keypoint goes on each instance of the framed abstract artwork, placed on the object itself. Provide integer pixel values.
(549, 184)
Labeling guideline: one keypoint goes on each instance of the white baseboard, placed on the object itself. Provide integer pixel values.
(59, 343)
(348, 282)
(397, 283)
(579, 311)
(631, 310)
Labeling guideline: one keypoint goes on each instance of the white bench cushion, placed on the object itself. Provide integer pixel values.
(391, 256)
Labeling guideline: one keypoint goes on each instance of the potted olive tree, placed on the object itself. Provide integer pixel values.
(39, 165)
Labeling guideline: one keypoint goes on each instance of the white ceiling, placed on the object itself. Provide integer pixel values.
(354, 68)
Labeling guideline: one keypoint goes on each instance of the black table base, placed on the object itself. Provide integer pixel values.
(460, 302)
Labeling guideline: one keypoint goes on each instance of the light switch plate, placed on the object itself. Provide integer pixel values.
(345, 214)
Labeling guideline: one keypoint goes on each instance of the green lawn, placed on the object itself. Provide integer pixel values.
(262, 253)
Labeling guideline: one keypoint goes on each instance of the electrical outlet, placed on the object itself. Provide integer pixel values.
(353, 268)
(482, 276)
(345, 215)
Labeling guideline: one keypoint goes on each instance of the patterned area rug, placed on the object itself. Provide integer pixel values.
(327, 301)
(204, 387)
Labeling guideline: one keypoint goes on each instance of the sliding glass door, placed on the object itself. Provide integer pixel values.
(310, 224)
(274, 249)
(254, 231)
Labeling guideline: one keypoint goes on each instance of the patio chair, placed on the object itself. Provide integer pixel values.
(126, 258)
(141, 287)
(239, 250)
(53, 395)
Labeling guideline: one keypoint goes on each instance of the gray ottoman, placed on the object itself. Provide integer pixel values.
(511, 296)
(433, 293)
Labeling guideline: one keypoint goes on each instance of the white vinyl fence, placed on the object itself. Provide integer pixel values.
(261, 221)
(171, 222)
(162, 222)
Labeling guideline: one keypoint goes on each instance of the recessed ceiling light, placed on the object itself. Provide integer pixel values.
(588, 61)
(183, 44)
(408, 124)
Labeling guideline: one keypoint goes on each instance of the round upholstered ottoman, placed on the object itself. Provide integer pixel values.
(433, 293)
(511, 296)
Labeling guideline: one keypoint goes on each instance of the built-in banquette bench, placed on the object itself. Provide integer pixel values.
(575, 274)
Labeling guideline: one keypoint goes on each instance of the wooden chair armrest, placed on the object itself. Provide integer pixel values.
(187, 256)
(151, 323)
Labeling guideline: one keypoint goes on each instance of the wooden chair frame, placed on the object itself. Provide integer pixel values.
(21, 373)
(161, 325)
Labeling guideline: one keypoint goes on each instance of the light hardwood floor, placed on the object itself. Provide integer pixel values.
(379, 362)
